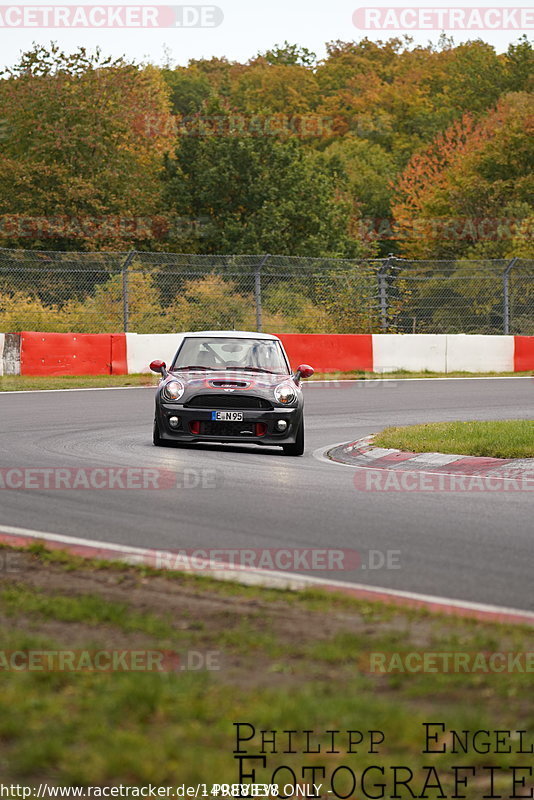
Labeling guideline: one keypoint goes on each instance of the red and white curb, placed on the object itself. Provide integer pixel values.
(362, 453)
(87, 548)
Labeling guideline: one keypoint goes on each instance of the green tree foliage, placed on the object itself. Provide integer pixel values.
(370, 169)
(519, 66)
(261, 195)
(471, 78)
(290, 54)
(189, 89)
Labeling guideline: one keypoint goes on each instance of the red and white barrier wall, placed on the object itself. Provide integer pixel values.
(333, 352)
(523, 353)
(31, 353)
(444, 353)
(142, 348)
(72, 354)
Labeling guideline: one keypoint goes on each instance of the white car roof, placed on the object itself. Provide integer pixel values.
(233, 334)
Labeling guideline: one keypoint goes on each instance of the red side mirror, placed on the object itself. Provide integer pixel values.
(158, 366)
(305, 371)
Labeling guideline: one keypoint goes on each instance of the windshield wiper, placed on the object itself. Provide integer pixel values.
(214, 369)
(191, 366)
(253, 369)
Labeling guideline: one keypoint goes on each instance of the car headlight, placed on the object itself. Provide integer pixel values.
(285, 393)
(173, 390)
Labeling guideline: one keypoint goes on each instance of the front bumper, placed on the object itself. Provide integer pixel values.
(245, 431)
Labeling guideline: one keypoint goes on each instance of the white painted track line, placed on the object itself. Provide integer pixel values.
(81, 389)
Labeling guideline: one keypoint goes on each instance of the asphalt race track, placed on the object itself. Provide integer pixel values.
(467, 546)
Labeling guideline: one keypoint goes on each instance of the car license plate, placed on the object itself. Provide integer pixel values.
(227, 416)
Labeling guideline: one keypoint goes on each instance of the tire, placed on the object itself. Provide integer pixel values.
(296, 449)
(156, 438)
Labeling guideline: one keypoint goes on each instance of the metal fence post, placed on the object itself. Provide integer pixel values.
(125, 293)
(506, 295)
(383, 292)
(257, 291)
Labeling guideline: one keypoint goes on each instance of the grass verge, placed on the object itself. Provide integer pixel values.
(13, 383)
(500, 439)
(401, 374)
(286, 660)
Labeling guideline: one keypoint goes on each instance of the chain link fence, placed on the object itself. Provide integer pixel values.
(162, 292)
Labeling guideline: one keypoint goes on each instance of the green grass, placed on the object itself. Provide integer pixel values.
(289, 660)
(401, 374)
(500, 439)
(88, 609)
(13, 383)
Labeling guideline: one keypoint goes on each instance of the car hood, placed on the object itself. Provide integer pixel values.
(221, 380)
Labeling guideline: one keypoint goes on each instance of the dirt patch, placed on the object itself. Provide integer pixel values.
(240, 625)
(263, 637)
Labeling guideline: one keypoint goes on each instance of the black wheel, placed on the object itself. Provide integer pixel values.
(156, 438)
(296, 449)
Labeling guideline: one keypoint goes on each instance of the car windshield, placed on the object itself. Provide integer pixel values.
(262, 355)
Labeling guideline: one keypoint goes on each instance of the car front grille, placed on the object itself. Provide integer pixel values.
(223, 429)
(234, 401)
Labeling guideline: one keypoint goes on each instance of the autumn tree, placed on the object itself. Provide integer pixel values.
(475, 172)
(265, 87)
(86, 137)
(82, 139)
